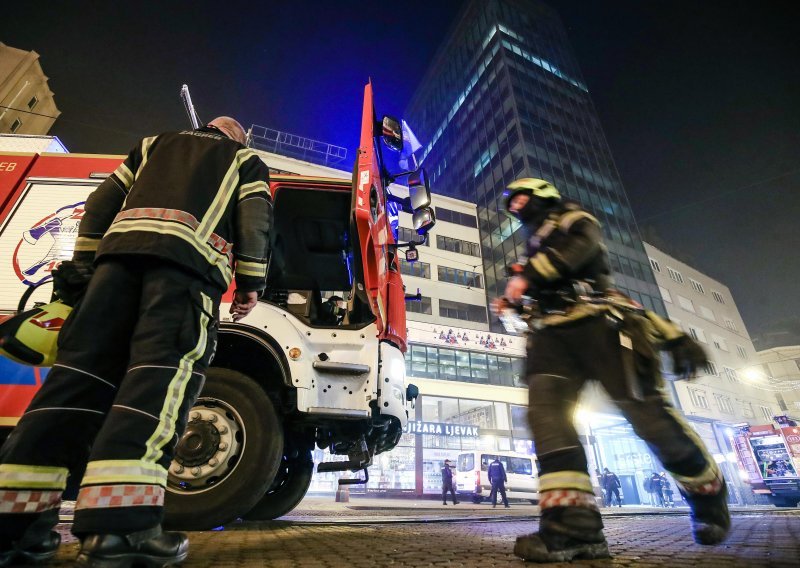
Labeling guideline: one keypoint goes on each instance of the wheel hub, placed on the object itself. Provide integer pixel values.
(198, 444)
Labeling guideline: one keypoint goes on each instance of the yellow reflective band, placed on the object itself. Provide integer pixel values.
(565, 480)
(253, 188)
(124, 174)
(568, 219)
(84, 244)
(214, 257)
(13, 476)
(124, 471)
(217, 208)
(694, 437)
(666, 328)
(176, 390)
(146, 143)
(251, 268)
(544, 267)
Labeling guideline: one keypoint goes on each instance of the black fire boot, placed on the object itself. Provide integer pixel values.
(38, 544)
(565, 534)
(710, 518)
(151, 548)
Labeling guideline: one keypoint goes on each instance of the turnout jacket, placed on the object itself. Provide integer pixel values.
(196, 198)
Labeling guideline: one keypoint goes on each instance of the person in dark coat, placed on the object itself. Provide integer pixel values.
(498, 479)
(447, 483)
(611, 486)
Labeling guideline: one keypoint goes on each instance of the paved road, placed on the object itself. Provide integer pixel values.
(376, 532)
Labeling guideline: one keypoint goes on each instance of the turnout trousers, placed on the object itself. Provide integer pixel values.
(131, 362)
(561, 359)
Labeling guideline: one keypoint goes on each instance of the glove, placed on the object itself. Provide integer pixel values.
(70, 281)
(687, 356)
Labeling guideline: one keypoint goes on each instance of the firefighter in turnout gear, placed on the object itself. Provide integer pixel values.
(161, 239)
(585, 330)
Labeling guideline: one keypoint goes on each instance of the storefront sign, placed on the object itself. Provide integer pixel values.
(441, 429)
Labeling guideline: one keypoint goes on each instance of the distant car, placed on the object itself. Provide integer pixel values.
(521, 469)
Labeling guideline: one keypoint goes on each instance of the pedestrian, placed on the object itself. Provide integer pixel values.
(160, 241)
(612, 486)
(498, 478)
(656, 490)
(583, 329)
(447, 483)
(666, 489)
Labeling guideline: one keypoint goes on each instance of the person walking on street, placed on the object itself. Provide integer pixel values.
(583, 329)
(160, 241)
(497, 477)
(447, 483)
(612, 486)
(656, 490)
(667, 490)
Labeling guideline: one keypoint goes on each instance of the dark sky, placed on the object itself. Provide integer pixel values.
(700, 101)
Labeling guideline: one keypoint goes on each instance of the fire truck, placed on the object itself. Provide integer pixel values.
(318, 362)
(770, 456)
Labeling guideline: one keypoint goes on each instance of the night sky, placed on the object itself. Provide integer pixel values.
(700, 101)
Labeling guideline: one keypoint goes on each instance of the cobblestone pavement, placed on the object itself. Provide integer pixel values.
(376, 533)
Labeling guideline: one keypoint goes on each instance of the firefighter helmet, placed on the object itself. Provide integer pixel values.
(30, 337)
(530, 186)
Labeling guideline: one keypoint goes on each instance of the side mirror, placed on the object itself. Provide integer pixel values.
(424, 220)
(419, 189)
(392, 133)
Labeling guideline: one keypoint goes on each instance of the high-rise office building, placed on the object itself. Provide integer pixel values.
(503, 98)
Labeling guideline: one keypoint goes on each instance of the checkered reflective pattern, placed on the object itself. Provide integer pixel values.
(709, 488)
(107, 496)
(567, 498)
(24, 501)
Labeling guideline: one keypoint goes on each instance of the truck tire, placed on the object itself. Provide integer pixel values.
(288, 489)
(228, 456)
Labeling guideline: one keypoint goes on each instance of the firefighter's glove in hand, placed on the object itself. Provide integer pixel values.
(70, 281)
(687, 356)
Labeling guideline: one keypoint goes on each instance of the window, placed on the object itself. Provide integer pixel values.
(698, 334)
(719, 343)
(766, 411)
(696, 286)
(15, 125)
(405, 235)
(32, 103)
(717, 296)
(724, 403)
(421, 307)
(698, 397)
(711, 368)
(467, 366)
(686, 303)
(450, 216)
(665, 294)
(418, 269)
(462, 311)
(675, 275)
(457, 245)
(708, 314)
(747, 409)
(654, 265)
(730, 325)
(731, 374)
(458, 276)
(742, 353)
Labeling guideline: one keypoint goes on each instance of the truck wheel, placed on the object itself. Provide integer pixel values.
(227, 457)
(290, 485)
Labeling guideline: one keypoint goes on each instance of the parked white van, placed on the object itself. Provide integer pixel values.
(521, 469)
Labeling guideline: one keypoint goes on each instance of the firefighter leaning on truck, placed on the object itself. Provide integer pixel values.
(585, 330)
(160, 241)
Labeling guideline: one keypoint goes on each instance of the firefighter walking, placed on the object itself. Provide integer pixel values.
(160, 241)
(585, 330)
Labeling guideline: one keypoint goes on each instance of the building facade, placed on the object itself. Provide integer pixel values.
(780, 369)
(504, 98)
(26, 101)
(729, 390)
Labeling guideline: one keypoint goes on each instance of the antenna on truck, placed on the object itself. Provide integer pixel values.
(187, 104)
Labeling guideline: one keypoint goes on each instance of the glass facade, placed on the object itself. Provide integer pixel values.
(503, 99)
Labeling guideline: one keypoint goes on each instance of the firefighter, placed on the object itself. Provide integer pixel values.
(161, 239)
(585, 330)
